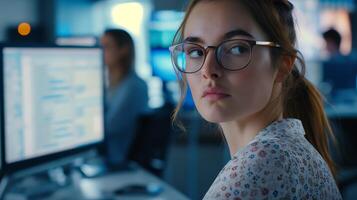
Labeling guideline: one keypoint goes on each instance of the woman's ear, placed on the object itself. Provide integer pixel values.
(286, 65)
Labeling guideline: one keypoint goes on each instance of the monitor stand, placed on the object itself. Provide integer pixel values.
(39, 185)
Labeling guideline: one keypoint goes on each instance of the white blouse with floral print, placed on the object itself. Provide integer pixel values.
(279, 163)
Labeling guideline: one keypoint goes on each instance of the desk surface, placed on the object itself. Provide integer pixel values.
(102, 187)
(342, 110)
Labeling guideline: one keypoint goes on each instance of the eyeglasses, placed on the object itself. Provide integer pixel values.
(232, 55)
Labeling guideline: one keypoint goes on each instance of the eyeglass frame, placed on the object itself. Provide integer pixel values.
(252, 44)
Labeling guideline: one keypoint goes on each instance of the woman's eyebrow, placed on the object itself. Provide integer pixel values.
(228, 35)
(193, 39)
(237, 32)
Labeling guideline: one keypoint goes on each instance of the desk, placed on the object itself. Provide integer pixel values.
(101, 188)
(342, 111)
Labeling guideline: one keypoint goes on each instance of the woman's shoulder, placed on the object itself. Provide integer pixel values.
(274, 145)
(268, 168)
(263, 153)
(262, 158)
(256, 171)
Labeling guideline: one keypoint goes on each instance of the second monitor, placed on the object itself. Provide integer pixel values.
(53, 100)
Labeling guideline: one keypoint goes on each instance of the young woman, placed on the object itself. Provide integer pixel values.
(240, 62)
(126, 97)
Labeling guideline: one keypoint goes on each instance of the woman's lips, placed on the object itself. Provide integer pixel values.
(214, 94)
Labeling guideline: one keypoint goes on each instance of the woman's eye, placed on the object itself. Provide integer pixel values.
(195, 53)
(238, 50)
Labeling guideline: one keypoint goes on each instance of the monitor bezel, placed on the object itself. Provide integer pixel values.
(9, 168)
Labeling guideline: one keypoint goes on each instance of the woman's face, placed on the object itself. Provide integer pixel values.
(221, 95)
(112, 52)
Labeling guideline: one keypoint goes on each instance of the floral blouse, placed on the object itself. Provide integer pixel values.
(279, 163)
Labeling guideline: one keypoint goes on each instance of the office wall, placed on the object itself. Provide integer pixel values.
(14, 11)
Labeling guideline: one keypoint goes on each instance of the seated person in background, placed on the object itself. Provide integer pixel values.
(332, 43)
(246, 75)
(126, 97)
(339, 71)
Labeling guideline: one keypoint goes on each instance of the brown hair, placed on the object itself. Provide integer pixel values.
(298, 98)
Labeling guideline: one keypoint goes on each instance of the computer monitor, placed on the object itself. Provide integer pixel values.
(52, 102)
(340, 74)
(163, 68)
(161, 64)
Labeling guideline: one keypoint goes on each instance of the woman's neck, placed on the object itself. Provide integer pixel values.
(114, 80)
(240, 132)
(116, 76)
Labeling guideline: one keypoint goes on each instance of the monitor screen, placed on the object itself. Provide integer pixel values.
(161, 64)
(340, 74)
(53, 100)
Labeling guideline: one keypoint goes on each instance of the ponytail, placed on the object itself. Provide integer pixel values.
(303, 101)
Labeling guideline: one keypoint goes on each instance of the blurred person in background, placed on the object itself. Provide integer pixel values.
(246, 75)
(332, 43)
(126, 95)
(339, 71)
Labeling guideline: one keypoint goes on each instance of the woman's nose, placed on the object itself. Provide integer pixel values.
(211, 68)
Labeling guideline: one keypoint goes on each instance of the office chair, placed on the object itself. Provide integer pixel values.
(150, 146)
(344, 153)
